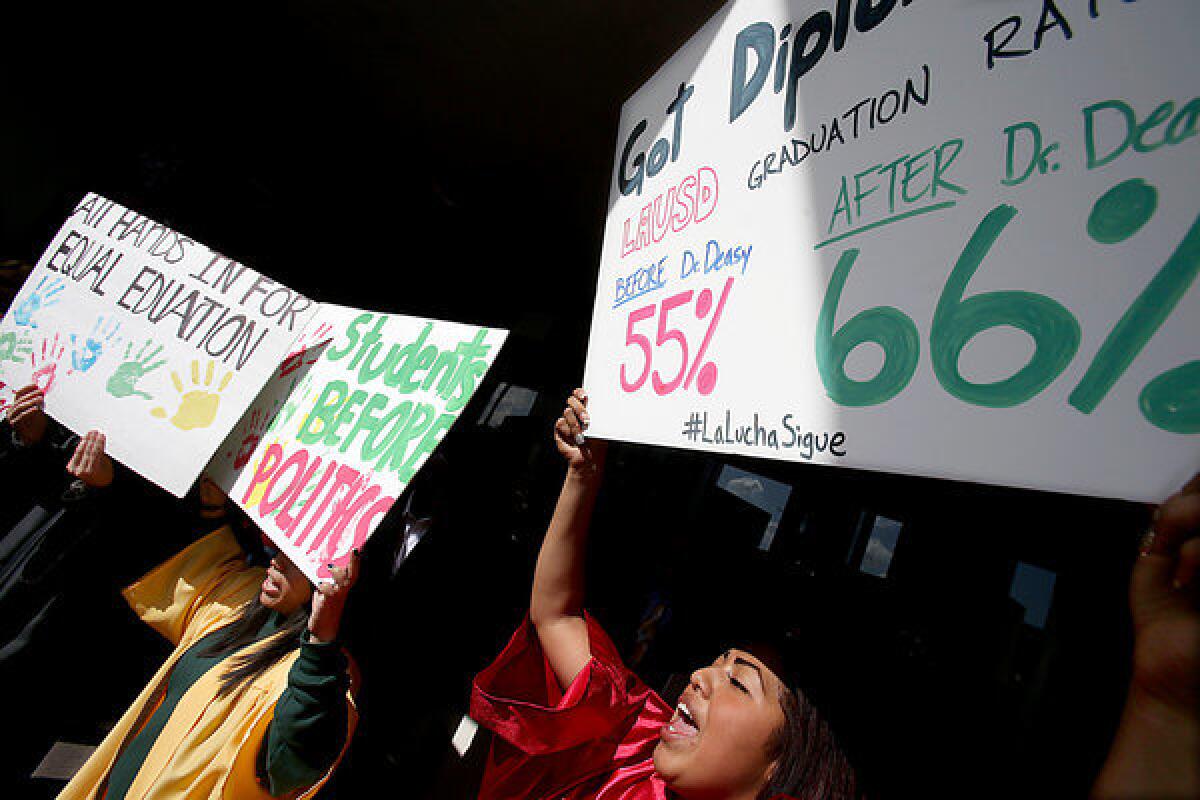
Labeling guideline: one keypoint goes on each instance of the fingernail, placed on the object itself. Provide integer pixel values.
(580, 439)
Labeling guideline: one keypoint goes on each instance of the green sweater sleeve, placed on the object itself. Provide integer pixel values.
(308, 729)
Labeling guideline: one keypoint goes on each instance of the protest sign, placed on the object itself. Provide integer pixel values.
(345, 424)
(139, 331)
(940, 238)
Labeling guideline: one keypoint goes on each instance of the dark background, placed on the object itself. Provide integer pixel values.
(453, 160)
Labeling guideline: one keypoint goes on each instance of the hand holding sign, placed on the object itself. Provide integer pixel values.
(89, 463)
(27, 416)
(329, 601)
(1164, 600)
(584, 456)
(1154, 754)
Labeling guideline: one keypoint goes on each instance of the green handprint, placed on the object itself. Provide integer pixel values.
(122, 383)
(15, 346)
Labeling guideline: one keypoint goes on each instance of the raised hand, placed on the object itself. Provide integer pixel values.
(44, 296)
(90, 463)
(1155, 750)
(26, 415)
(330, 599)
(123, 382)
(1164, 598)
(583, 456)
(557, 597)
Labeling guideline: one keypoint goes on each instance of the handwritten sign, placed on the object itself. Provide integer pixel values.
(135, 329)
(941, 238)
(345, 424)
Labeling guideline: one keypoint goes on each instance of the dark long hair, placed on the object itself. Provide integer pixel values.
(809, 764)
(239, 635)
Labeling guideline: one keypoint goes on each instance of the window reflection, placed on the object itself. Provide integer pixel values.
(1033, 588)
(877, 555)
(760, 492)
(508, 400)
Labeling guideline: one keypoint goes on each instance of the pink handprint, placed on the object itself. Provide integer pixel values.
(253, 435)
(308, 341)
(45, 367)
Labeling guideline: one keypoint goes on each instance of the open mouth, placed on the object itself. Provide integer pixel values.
(682, 725)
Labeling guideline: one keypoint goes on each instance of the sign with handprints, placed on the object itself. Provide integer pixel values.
(940, 238)
(86, 351)
(43, 296)
(45, 363)
(344, 424)
(197, 403)
(124, 378)
(136, 329)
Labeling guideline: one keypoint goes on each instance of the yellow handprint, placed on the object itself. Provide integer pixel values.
(197, 408)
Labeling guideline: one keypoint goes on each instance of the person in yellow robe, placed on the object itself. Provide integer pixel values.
(253, 702)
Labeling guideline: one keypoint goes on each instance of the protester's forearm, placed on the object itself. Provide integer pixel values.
(308, 729)
(558, 578)
(1155, 754)
(325, 620)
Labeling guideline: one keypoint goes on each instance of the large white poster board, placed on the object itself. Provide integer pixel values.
(346, 423)
(946, 238)
(139, 331)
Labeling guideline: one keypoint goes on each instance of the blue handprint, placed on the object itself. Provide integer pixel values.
(42, 297)
(85, 353)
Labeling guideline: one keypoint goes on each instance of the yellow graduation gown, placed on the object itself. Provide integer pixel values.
(208, 749)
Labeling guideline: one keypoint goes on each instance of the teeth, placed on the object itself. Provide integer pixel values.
(686, 713)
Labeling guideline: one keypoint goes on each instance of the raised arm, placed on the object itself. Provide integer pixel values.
(556, 603)
(1156, 751)
(310, 725)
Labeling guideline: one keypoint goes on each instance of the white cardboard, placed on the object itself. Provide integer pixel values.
(345, 424)
(764, 347)
(147, 335)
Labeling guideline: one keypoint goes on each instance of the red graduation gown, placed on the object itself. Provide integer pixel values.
(594, 740)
